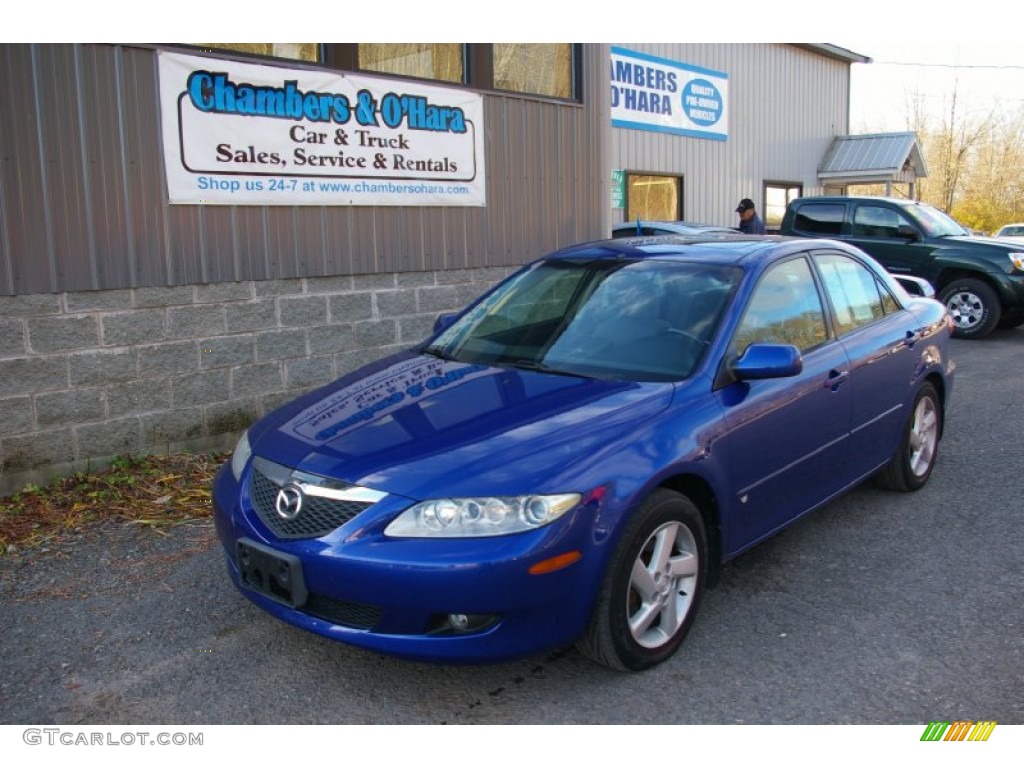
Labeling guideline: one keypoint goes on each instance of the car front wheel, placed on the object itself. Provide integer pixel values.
(653, 586)
(974, 306)
(912, 464)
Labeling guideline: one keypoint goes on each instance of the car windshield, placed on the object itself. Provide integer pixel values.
(934, 222)
(616, 319)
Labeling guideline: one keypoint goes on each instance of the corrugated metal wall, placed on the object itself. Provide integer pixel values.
(83, 202)
(785, 104)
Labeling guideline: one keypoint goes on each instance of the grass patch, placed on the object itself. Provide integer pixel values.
(154, 491)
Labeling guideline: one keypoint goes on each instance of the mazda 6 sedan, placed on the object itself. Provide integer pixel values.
(573, 457)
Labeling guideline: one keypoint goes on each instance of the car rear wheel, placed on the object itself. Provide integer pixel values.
(912, 464)
(653, 586)
(974, 306)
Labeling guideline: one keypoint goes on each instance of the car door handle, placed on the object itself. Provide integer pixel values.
(835, 379)
(912, 338)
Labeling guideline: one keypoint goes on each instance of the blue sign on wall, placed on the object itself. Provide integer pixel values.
(654, 94)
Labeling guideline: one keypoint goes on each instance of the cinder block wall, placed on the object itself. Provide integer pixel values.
(89, 375)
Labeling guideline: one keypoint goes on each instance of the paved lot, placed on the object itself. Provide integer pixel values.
(880, 608)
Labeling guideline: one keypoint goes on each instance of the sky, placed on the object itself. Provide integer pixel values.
(985, 78)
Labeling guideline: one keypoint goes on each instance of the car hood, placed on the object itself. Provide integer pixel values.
(1001, 244)
(420, 427)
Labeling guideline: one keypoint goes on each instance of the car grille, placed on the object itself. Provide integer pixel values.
(344, 613)
(319, 516)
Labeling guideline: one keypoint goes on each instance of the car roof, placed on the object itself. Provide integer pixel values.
(900, 201)
(731, 248)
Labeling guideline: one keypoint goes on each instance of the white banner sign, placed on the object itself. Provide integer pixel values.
(238, 133)
(654, 94)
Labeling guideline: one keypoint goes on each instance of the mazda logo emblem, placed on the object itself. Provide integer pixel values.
(289, 502)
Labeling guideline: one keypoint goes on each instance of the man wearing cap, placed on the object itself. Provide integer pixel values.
(750, 222)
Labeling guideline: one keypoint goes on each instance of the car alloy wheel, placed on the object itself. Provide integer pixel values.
(923, 437)
(912, 464)
(662, 585)
(650, 594)
(974, 307)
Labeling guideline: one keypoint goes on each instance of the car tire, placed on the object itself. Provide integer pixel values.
(912, 464)
(974, 306)
(653, 586)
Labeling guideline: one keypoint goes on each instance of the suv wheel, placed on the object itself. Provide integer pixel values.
(974, 306)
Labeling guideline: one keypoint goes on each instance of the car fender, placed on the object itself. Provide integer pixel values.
(958, 260)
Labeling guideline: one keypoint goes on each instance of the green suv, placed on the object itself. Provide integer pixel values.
(979, 279)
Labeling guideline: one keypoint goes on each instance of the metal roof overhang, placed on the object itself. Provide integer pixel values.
(873, 158)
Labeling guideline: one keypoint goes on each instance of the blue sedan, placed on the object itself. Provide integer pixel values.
(573, 457)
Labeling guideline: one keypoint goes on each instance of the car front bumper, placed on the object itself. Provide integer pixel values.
(395, 596)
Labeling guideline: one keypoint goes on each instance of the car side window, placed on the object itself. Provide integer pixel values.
(856, 295)
(823, 219)
(876, 221)
(785, 308)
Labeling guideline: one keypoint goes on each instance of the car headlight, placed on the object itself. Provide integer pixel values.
(241, 455)
(1017, 259)
(484, 516)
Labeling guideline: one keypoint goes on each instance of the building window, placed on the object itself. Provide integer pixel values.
(431, 61)
(777, 195)
(539, 68)
(653, 198)
(297, 51)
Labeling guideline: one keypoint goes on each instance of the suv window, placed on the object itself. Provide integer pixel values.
(876, 221)
(820, 218)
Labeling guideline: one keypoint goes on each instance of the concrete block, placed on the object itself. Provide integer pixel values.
(12, 337)
(101, 367)
(200, 388)
(280, 345)
(28, 306)
(37, 450)
(73, 406)
(250, 380)
(374, 333)
(350, 307)
(61, 334)
(114, 437)
(309, 372)
(395, 303)
(226, 351)
(302, 311)
(86, 301)
(195, 322)
(218, 293)
(158, 429)
(142, 396)
(327, 339)
(17, 415)
(28, 375)
(165, 296)
(251, 316)
(140, 326)
(174, 357)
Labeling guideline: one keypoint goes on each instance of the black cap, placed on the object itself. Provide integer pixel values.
(746, 204)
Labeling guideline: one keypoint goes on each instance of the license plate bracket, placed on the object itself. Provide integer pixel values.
(276, 575)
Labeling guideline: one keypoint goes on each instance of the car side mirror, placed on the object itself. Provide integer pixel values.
(444, 320)
(908, 232)
(768, 361)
